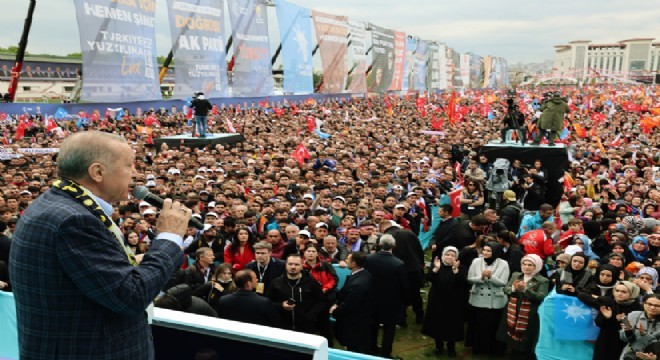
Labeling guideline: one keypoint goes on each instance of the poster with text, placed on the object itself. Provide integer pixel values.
(434, 67)
(332, 37)
(382, 66)
(476, 71)
(357, 79)
(295, 26)
(399, 55)
(118, 45)
(408, 63)
(419, 64)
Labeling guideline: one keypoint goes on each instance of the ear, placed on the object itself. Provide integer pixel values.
(95, 172)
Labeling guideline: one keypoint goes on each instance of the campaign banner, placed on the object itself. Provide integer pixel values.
(331, 35)
(198, 35)
(118, 45)
(434, 67)
(476, 71)
(504, 72)
(420, 65)
(488, 64)
(382, 66)
(357, 79)
(42, 70)
(296, 38)
(252, 74)
(442, 61)
(408, 62)
(399, 55)
(456, 76)
(465, 70)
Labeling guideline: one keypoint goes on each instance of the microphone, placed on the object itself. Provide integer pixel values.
(142, 193)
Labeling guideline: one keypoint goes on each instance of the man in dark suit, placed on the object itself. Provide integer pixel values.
(80, 294)
(466, 232)
(352, 311)
(265, 266)
(444, 229)
(390, 297)
(245, 305)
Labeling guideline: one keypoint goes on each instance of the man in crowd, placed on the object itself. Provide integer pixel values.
(265, 266)
(245, 305)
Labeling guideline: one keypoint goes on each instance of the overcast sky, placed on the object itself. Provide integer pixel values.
(514, 29)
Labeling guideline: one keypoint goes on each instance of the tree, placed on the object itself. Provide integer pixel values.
(77, 55)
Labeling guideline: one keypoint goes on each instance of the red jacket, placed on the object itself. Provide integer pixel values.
(536, 242)
(237, 260)
(324, 274)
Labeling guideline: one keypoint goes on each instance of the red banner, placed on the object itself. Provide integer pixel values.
(331, 34)
(399, 54)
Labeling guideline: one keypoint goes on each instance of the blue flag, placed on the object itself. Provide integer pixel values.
(322, 135)
(564, 133)
(573, 319)
(296, 37)
(61, 113)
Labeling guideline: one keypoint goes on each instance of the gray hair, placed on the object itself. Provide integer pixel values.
(387, 242)
(81, 150)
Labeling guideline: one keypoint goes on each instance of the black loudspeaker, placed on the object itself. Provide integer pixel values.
(657, 78)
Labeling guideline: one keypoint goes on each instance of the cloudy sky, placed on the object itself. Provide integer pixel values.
(515, 29)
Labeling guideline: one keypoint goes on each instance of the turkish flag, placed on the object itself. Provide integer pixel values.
(459, 176)
(3, 116)
(51, 124)
(597, 117)
(300, 154)
(214, 110)
(150, 120)
(20, 130)
(278, 112)
(451, 108)
(311, 123)
(420, 103)
(436, 124)
(630, 107)
(95, 117)
(455, 199)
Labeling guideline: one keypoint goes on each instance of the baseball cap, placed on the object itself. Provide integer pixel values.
(339, 198)
(144, 203)
(304, 233)
(211, 204)
(151, 183)
(26, 192)
(308, 196)
(321, 224)
(411, 193)
(151, 177)
(400, 206)
(509, 195)
(207, 227)
(397, 187)
(211, 213)
(148, 212)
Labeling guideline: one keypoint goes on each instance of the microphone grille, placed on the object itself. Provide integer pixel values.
(140, 192)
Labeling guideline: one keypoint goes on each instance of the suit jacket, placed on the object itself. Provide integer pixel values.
(442, 233)
(77, 295)
(276, 267)
(408, 249)
(247, 306)
(391, 288)
(352, 313)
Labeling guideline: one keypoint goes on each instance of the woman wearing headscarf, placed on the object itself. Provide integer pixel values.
(641, 331)
(488, 276)
(634, 224)
(639, 249)
(601, 285)
(526, 291)
(584, 242)
(647, 280)
(619, 262)
(445, 306)
(513, 252)
(614, 309)
(573, 277)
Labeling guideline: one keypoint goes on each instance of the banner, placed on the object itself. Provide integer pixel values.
(465, 70)
(399, 55)
(296, 39)
(573, 319)
(408, 63)
(252, 74)
(503, 72)
(198, 35)
(357, 80)
(382, 66)
(434, 67)
(488, 64)
(456, 76)
(442, 61)
(331, 35)
(476, 71)
(117, 40)
(419, 65)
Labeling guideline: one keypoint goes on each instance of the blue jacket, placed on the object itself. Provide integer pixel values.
(77, 295)
(532, 222)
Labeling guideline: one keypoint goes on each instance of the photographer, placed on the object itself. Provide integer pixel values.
(513, 120)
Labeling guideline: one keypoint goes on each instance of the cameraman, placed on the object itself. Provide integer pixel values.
(552, 119)
(513, 120)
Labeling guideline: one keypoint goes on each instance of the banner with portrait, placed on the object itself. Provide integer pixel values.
(488, 64)
(331, 36)
(399, 55)
(295, 27)
(442, 61)
(198, 38)
(411, 45)
(465, 70)
(456, 69)
(382, 66)
(419, 65)
(252, 74)
(118, 45)
(357, 79)
(476, 71)
(434, 67)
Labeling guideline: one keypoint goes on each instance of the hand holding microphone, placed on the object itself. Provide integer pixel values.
(174, 217)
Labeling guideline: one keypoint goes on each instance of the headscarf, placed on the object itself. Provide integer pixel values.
(615, 276)
(620, 256)
(591, 228)
(446, 250)
(577, 273)
(639, 256)
(634, 224)
(652, 272)
(536, 260)
(496, 250)
(586, 248)
(633, 289)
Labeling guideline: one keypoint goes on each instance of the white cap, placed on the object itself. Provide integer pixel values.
(151, 177)
(211, 213)
(151, 183)
(207, 227)
(321, 224)
(199, 177)
(400, 206)
(308, 196)
(144, 203)
(26, 192)
(148, 212)
(305, 233)
(197, 216)
(411, 193)
(394, 223)
(339, 198)
(211, 204)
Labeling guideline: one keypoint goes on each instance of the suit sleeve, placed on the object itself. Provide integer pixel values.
(356, 295)
(97, 264)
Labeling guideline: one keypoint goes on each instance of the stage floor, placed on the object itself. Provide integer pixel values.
(195, 142)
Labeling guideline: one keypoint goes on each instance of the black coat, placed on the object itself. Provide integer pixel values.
(511, 216)
(308, 296)
(247, 306)
(391, 288)
(276, 267)
(608, 344)
(446, 304)
(201, 107)
(217, 246)
(5, 245)
(513, 256)
(408, 249)
(442, 233)
(462, 236)
(353, 314)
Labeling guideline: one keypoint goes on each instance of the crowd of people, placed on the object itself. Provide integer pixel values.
(356, 182)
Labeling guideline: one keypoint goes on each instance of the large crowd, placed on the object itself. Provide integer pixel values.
(356, 182)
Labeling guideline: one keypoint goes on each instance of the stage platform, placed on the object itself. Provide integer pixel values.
(195, 142)
(553, 158)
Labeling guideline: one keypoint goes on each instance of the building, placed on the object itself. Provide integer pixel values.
(633, 59)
